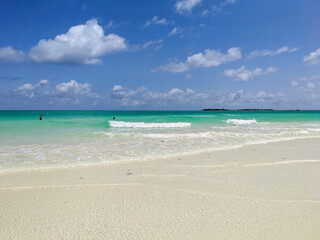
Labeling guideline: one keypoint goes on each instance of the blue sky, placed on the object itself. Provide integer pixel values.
(175, 54)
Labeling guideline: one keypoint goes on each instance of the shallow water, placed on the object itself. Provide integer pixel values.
(67, 138)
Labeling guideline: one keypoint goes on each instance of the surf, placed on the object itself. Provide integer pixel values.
(241, 121)
(122, 124)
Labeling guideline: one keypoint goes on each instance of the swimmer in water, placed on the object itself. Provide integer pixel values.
(41, 117)
(114, 118)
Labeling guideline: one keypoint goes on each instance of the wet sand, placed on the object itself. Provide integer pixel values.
(266, 191)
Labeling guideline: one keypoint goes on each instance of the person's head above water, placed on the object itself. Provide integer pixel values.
(114, 118)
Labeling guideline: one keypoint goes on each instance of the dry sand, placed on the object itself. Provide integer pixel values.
(267, 191)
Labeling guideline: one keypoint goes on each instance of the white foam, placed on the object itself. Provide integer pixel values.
(281, 163)
(122, 124)
(314, 129)
(241, 121)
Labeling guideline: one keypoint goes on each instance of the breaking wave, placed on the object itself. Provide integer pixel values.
(241, 121)
(122, 124)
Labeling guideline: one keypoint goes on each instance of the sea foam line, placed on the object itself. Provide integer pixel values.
(241, 121)
(280, 163)
(122, 124)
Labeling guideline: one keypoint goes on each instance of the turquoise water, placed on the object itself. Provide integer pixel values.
(68, 138)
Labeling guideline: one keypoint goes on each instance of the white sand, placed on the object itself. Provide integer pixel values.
(269, 191)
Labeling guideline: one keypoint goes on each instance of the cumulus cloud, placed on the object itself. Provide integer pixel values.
(210, 58)
(189, 97)
(141, 96)
(313, 77)
(266, 52)
(126, 96)
(176, 96)
(157, 21)
(309, 78)
(310, 85)
(8, 54)
(63, 93)
(28, 90)
(82, 44)
(186, 6)
(243, 74)
(241, 99)
(313, 58)
(73, 94)
(42, 83)
(74, 88)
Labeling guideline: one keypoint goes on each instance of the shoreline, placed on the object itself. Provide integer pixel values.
(267, 191)
(95, 164)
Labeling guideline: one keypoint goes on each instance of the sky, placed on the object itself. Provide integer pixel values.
(159, 55)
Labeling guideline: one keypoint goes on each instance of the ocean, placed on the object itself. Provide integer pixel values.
(72, 138)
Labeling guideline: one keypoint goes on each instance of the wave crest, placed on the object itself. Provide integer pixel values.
(241, 121)
(122, 124)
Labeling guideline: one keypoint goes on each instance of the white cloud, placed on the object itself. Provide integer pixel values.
(82, 44)
(296, 82)
(74, 88)
(175, 31)
(43, 83)
(175, 91)
(243, 74)
(175, 96)
(226, 2)
(113, 24)
(306, 84)
(126, 96)
(29, 86)
(117, 87)
(25, 87)
(310, 85)
(110, 25)
(217, 8)
(186, 6)
(309, 78)
(313, 77)
(242, 99)
(28, 90)
(214, 58)
(156, 43)
(172, 67)
(119, 90)
(157, 21)
(213, 10)
(210, 58)
(192, 99)
(313, 57)
(66, 92)
(266, 52)
(8, 54)
(140, 96)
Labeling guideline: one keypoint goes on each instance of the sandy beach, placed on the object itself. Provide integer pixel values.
(266, 191)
